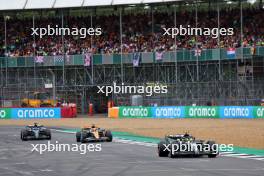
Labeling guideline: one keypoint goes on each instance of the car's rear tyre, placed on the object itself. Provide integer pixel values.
(173, 153)
(83, 137)
(213, 149)
(48, 134)
(23, 135)
(109, 136)
(212, 155)
(170, 155)
(161, 149)
(78, 137)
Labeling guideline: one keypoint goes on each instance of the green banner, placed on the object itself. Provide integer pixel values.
(134, 112)
(202, 112)
(5, 113)
(209, 112)
(258, 112)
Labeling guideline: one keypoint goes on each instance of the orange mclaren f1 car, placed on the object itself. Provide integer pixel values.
(93, 134)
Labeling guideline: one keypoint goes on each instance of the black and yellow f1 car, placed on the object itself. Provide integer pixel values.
(186, 145)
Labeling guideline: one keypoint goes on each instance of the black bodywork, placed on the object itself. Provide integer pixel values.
(170, 146)
(32, 132)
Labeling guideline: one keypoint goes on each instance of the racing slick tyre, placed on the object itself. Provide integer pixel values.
(49, 137)
(213, 149)
(172, 150)
(161, 149)
(170, 155)
(78, 137)
(23, 135)
(83, 137)
(109, 136)
(48, 133)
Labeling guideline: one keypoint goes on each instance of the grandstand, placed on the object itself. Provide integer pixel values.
(197, 69)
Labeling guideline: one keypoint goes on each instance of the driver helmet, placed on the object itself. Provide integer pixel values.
(186, 135)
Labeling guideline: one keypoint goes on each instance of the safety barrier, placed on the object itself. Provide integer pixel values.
(69, 111)
(30, 113)
(113, 112)
(213, 112)
(182, 55)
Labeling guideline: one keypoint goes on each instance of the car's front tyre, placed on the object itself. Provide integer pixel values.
(213, 149)
(83, 137)
(109, 136)
(23, 135)
(162, 152)
(78, 137)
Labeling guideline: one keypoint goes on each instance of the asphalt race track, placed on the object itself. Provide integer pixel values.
(115, 159)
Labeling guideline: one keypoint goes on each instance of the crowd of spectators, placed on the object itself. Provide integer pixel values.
(141, 32)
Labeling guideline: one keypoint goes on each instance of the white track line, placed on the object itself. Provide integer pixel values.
(235, 154)
(147, 144)
(260, 159)
(223, 153)
(71, 132)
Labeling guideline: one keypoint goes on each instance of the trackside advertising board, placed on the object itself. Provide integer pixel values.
(202, 111)
(258, 112)
(236, 112)
(134, 112)
(214, 112)
(5, 113)
(168, 112)
(30, 113)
